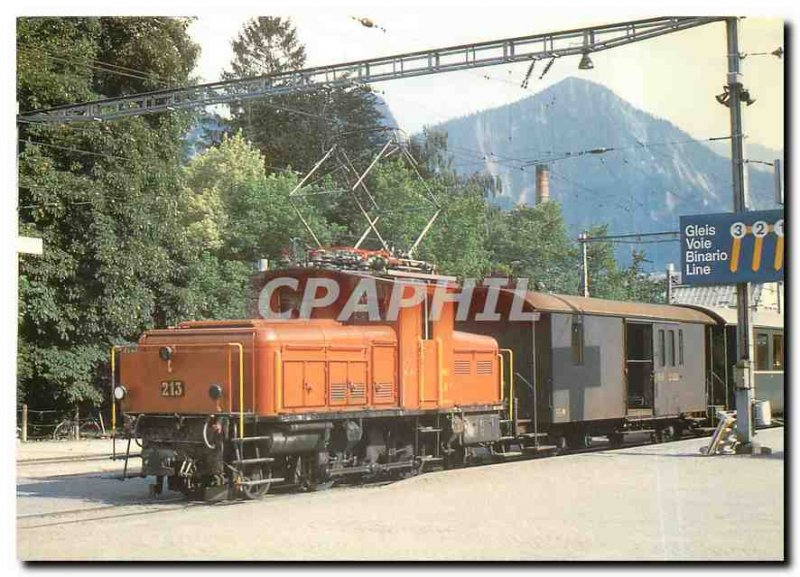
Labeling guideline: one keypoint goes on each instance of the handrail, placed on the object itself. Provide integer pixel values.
(502, 374)
(421, 371)
(278, 376)
(241, 386)
(510, 382)
(440, 367)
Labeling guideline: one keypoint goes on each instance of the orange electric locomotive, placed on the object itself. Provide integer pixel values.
(234, 407)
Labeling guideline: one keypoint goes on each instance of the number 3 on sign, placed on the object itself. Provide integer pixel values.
(738, 231)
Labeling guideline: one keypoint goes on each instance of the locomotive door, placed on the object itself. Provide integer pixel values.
(347, 383)
(303, 384)
(384, 370)
(666, 373)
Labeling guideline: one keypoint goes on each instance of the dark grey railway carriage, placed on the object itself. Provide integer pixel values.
(593, 367)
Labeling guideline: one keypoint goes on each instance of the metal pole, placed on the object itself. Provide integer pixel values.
(585, 266)
(76, 429)
(24, 434)
(534, 370)
(744, 379)
(776, 167)
(670, 268)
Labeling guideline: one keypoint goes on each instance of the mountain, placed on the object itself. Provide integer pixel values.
(655, 172)
(753, 151)
(207, 130)
(382, 106)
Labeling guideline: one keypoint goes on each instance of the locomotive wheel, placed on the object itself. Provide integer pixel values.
(253, 492)
(312, 473)
(457, 458)
(314, 486)
(579, 441)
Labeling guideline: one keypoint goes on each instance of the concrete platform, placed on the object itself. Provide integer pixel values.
(38, 450)
(656, 502)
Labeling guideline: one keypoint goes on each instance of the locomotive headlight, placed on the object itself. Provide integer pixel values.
(215, 391)
(165, 353)
(120, 392)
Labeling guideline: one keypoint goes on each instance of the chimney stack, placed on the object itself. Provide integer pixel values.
(542, 183)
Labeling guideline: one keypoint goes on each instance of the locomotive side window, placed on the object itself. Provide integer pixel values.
(672, 348)
(777, 352)
(427, 324)
(662, 348)
(762, 352)
(577, 340)
(680, 347)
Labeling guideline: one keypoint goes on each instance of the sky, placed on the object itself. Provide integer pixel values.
(674, 77)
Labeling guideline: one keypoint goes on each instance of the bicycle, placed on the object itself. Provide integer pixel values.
(87, 428)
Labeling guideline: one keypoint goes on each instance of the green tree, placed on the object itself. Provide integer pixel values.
(608, 280)
(295, 130)
(532, 242)
(234, 215)
(103, 197)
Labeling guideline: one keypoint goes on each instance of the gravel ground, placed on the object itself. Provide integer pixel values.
(657, 502)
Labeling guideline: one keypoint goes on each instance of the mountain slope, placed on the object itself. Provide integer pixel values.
(655, 174)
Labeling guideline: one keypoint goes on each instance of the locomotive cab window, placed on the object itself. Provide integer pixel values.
(577, 340)
(662, 348)
(426, 329)
(680, 347)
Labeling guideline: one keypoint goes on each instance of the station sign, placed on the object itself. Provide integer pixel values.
(732, 248)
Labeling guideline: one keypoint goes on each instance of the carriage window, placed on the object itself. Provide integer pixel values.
(680, 347)
(662, 349)
(777, 352)
(672, 348)
(762, 352)
(577, 341)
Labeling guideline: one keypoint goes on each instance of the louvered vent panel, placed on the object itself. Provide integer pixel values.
(462, 367)
(484, 367)
(338, 391)
(358, 391)
(384, 391)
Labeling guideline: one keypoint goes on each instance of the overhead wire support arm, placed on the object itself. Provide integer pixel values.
(408, 65)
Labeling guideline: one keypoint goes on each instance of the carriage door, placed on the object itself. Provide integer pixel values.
(666, 373)
(639, 368)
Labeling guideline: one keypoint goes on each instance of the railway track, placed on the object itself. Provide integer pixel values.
(166, 505)
(150, 506)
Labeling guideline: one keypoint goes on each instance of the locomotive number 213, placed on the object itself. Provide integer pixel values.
(172, 388)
